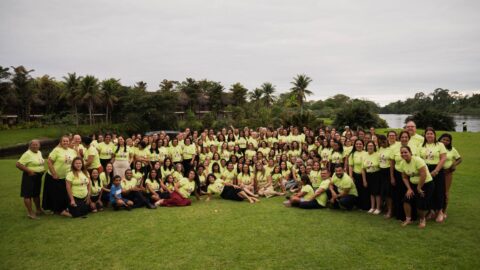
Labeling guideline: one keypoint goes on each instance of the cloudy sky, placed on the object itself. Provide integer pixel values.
(379, 50)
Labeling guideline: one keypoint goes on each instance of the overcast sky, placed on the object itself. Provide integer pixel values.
(379, 50)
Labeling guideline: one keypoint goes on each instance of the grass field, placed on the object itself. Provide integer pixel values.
(17, 136)
(229, 235)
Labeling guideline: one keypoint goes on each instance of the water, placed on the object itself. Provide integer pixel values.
(398, 121)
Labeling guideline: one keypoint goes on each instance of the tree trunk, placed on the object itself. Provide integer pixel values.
(106, 116)
(90, 109)
(76, 114)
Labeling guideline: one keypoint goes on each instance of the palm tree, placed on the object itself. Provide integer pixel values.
(109, 90)
(71, 92)
(25, 90)
(141, 85)
(268, 89)
(90, 93)
(255, 95)
(299, 89)
(167, 85)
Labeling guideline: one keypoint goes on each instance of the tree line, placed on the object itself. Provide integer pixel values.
(442, 100)
(76, 99)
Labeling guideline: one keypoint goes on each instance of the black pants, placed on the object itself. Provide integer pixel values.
(345, 202)
(137, 198)
(186, 166)
(81, 209)
(438, 199)
(363, 199)
(31, 185)
(55, 197)
(398, 193)
(313, 204)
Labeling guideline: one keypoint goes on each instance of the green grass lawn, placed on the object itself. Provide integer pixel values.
(229, 235)
(17, 136)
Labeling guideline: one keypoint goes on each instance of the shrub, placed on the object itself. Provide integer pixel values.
(358, 114)
(432, 118)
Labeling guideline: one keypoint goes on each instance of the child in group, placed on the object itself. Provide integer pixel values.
(96, 192)
(305, 194)
(116, 195)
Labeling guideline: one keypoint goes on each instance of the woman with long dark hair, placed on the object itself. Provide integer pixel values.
(451, 163)
(355, 162)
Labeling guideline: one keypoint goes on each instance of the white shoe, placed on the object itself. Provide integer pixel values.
(371, 211)
(377, 212)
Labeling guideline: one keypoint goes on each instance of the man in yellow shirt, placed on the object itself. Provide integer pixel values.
(342, 190)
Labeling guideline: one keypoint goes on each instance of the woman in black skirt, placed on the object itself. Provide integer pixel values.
(55, 197)
(32, 165)
(435, 154)
(355, 162)
(227, 191)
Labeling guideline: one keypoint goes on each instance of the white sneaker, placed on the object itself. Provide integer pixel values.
(371, 211)
(377, 212)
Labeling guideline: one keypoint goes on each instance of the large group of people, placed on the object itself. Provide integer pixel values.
(402, 175)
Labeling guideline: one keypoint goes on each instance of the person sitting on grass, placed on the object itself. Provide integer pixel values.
(95, 192)
(134, 192)
(227, 190)
(342, 190)
(116, 198)
(320, 198)
(306, 193)
(182, 191)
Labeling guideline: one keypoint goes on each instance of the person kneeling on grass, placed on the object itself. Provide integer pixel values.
(306, 193)
(342, 191)
(182, 191)
(227, 190)
(116, 198)
(319, 199)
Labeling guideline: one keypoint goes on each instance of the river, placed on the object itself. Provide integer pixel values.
(398, 121)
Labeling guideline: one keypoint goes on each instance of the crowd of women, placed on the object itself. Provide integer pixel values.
(403, 175)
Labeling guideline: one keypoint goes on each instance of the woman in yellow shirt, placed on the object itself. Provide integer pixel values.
(418, 181)
(355, 162)
(182, 191)
(122, 158)
(434, 154)
(59, 162)
(32, 164)
(189, 154)
(371, 174)
(78, 189)
(96, 191)
(451, 163)
(306, 193)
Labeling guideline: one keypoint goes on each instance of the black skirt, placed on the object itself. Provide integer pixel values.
(385, 183)
(55, 197)
(438, 199)
(363, 199)
(81, 209)
(231, 193)
(31, 185)
(373, 183)
(419, 202)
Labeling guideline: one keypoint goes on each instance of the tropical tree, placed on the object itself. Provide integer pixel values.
(267, 90)
(255, 96)
(71, 92)
(299, 90)
(5, 87)
(191, 88)
(239, 94)
(25, 91)
(109, 89)
(48, 91)
(141, 85)
(215, 95)
(167, 85)
(90, 93)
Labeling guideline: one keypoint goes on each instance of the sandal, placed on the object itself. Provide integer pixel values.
(34, 217)
(407, 222)
(422, 224)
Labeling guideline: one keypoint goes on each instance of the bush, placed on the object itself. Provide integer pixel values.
(358, 114)
(432, 118)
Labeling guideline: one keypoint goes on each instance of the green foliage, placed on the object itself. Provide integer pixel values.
(239, 94)
(358, 114)
(440, 99)
(432, 118)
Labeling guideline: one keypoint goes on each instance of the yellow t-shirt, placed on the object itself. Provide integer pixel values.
(229, 176)
(92, 151)
(412, 169)
(357, 161)
(322, 199)
(104, 180)
(431, 152)
(336, 157)
(249, 154)
(186, 187)
(165, 172)
(345, 183)
(96, 187)
(176, 153)
(152, 184)
(129, 184)
(417, 140)
(62, 160)
(315, 178)
(79, 184)
(162, 153)
(189, 151)
(122, 154)
(106, 150)
(325, 154)
(33, 161)
(452, 155)
(242, 143)
(384, 155)
(371, 162)
(309, 192)
(245, 179)
(261, 179)
(216, 187)
(277, 177)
